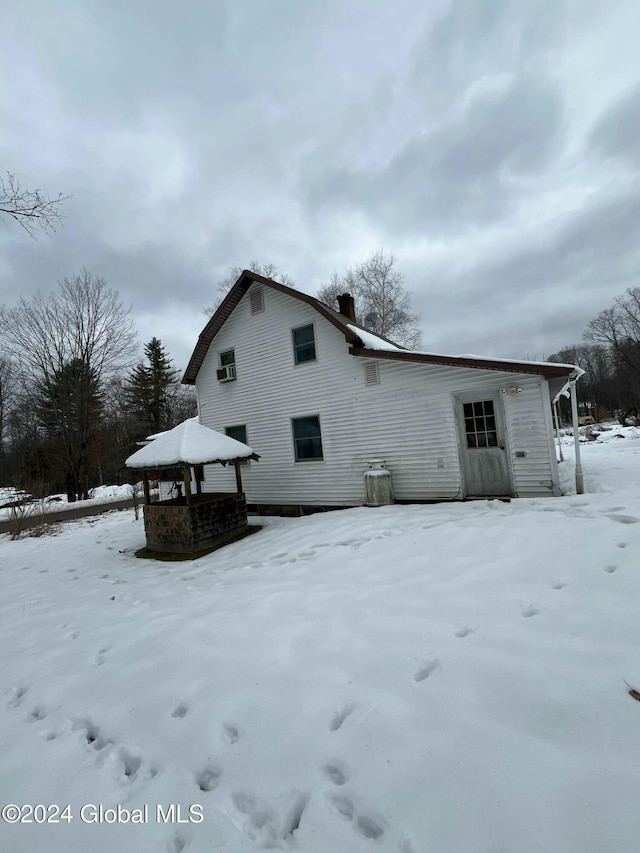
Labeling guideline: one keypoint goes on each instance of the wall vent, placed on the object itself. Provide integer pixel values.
(256, 298)
(371, 373)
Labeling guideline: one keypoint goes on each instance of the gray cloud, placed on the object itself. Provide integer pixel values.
(538, 298)
(195, 137)
(462, 173)
(617, 133)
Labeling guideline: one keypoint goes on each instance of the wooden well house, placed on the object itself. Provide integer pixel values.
(193, 521)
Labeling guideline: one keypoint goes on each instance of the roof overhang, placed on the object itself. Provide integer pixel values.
(546, 369)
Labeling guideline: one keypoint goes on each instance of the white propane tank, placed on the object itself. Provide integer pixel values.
(377, 484)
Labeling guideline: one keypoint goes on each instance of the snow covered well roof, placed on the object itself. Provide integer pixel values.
(189, 443)
(165, 431)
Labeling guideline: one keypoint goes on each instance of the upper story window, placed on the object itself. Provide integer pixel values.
(304, 344)
(227, 370)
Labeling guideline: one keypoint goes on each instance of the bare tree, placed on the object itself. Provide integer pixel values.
(267, 270)
(66, 346)
(30, 208)
(379, 293)
(619, 328)
(7, 393)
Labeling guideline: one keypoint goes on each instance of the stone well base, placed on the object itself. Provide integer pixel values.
(211, 519)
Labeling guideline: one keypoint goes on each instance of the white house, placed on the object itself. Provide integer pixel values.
(318, 397)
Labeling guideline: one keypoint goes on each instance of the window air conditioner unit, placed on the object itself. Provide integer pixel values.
(227, 374)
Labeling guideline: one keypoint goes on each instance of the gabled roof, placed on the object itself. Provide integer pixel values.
(189, 443)
(362, 342)
(351, 331)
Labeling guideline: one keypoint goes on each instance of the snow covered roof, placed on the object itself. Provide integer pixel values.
(189, 443)
(165, 431)
(374, 341)
(550, 369)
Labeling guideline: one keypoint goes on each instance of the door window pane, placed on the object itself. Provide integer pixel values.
(480, 424)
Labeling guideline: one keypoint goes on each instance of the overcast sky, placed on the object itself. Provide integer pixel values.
(492, 145)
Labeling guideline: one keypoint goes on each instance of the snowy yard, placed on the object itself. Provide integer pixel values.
(421, 679)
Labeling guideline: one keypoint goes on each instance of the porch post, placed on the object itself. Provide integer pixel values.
(576, 438)
(236, 465)
(558, 439)
(186, 478)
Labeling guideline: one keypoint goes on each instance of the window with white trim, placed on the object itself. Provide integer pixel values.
(227, 369)
(304, 344)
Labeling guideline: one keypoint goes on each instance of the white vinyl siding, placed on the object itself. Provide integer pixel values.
(407, 419)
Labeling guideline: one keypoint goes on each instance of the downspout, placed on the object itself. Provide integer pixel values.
(558, 439)
(576, 437)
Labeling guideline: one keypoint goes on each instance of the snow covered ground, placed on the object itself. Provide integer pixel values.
(421, 679)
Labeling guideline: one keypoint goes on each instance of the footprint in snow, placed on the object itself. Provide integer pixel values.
(610, 569)
(176, 843)
(92, 734)
(180, 711)
(622, 545)
(529, 611)
(364, 825)
(558, 585)
(100, 657)
(130, 763)
(336, 773)
(259, 820)
(230, 733)
(18, 695)
(208, 778)
(464, 631)
(427, 668)
(340, 716)
(624, 519)
(343, 805)
(36, 714)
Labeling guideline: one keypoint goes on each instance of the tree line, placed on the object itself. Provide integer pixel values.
(74, 399)
(610, 357)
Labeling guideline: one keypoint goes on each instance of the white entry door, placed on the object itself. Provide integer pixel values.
(483, 454)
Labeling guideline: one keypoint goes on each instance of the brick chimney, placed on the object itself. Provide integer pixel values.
(347, 306)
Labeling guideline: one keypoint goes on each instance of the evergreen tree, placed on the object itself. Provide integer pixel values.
(69, 409)
(150, 389)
